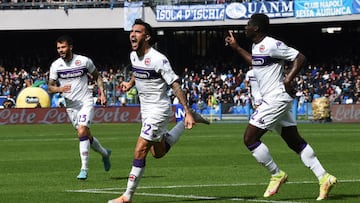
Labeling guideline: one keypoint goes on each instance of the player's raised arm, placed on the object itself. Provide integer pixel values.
(231, 41)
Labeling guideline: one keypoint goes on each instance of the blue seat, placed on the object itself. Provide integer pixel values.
(206, 110)
(241, 110)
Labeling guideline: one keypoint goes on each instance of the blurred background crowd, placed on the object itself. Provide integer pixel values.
(206, 85)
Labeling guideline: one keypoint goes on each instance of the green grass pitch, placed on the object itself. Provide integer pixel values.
(39, 163)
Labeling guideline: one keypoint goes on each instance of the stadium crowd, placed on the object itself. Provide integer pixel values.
(206, 85)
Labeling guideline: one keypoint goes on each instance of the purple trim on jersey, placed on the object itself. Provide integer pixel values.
(252, 78)
(139, 163)
(145, 74)
(72, 73)
(254, 146)
(83, 138)
(259, 61)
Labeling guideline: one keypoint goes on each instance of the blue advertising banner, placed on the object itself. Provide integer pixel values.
(179, 112)
(190, 12)
(322, 8)
(273, 9)
(355, 7)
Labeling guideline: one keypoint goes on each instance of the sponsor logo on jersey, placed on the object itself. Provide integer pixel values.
(71, 73)
(263, 60)
(252, 78)
(258, 61)
(145, 73)
(141, 74)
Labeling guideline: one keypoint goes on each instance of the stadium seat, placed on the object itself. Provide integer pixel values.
(206, 110)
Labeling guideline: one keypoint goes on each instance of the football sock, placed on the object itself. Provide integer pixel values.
(96, 146)
(134, 178)
(310, 160)
(263, 156)
(174, 134)
(84, 147)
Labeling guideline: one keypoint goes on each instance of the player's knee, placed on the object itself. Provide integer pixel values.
(158, 155)
(83, 131)
(248, 141)
(297, 147)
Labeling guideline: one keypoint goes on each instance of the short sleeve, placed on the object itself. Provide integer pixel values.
(53, 75)
(163, 67)
(280, 50)
(90, 65)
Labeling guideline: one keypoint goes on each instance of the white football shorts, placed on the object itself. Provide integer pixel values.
(273, 115)
(153, 129)
(81, 112)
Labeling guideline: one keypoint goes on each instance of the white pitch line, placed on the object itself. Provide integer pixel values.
(213, 198)
(112, 191)
(98, 191)
(212, 185)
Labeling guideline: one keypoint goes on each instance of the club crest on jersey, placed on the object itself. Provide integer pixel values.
(165, 61)
(78, 62)
(278, 43)
(147, 61)
(262, 48)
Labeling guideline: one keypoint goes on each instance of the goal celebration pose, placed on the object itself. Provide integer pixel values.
(274, 112)
(152, 74)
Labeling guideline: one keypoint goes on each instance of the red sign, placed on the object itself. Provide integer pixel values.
(59, 115)
(345, 113)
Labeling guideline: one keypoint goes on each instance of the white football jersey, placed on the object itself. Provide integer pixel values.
(75, 74)
(268, 57)
(254, 87)
(153, 74)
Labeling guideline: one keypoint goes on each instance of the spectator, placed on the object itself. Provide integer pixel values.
(131, 96)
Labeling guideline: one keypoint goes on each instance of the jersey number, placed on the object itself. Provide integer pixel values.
(146, 128)
(254, 114)
(82, 118)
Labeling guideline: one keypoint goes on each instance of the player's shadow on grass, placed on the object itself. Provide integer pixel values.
(222, 199)
(215, 199)
(343, 197)
(125, 178)
(332, 197)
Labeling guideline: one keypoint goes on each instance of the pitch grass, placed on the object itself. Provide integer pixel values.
(39, 163)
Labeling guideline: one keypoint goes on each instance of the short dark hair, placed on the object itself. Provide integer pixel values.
(65, 38)
(148, 29)
(262, 21)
